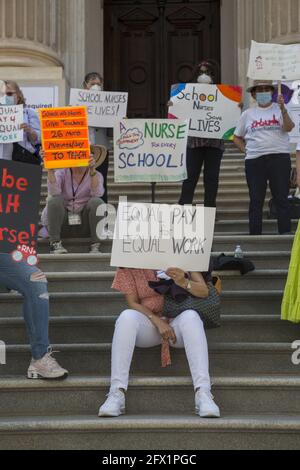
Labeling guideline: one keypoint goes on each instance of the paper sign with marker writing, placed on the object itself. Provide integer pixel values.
(11, 118)
(160, 236)
(152, 150)
(104, 107)
(20, 191)
(274, 61)
(212, 110)
(65, 137)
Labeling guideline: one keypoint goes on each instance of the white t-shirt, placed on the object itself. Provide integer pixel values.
(262, 129)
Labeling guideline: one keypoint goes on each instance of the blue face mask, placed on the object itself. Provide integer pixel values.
(9, 100)
(264, 98)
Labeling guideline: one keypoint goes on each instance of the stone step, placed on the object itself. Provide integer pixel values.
(102, 280)
(226, 359)
(264, 302)
(91, 329)
(86, 262)
(152, 432)
(83, 395)
(222, 243)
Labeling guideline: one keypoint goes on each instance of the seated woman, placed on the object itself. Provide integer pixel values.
(142, 325)
(71, 211)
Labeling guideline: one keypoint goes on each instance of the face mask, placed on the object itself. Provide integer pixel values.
(10, 100)
(264, 98)
(96, 88)
(204, 78)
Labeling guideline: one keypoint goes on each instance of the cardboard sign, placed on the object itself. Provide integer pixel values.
(212, 110)
(152, 150)
(160, 236)
(65, 137)
(20, 191)
(274, 61)
(11, 118)
(104, 107)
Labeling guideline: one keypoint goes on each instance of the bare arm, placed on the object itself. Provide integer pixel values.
(198, 285)
(240, 143)
(288, 124)
(165, 330)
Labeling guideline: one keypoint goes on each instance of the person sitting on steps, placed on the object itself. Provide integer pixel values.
(142, 325)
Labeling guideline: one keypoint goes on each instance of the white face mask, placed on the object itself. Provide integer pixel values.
(96, 88)
(204, 78)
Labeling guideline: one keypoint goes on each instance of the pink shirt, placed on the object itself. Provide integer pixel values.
(83, 191)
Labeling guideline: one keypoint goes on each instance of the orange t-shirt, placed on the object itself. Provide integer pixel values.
(135, 281)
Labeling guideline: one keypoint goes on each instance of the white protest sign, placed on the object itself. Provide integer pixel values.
(152, 150)
(38, 97)
(160, 236)
(104, 107)
(11, 118)
(274, 61)
(213, 110)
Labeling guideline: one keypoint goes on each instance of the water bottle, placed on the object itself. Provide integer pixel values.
(238, 252)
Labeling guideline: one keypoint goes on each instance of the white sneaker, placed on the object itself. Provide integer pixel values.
(95, 248)
(114, 405)
(46, 368)
(57, 248)
(205, 405)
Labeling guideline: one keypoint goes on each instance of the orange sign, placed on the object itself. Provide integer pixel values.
(65, 137)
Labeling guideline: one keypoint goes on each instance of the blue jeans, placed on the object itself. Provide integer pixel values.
(32, 284)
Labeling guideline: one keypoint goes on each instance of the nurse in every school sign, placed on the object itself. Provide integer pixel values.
(212, 110)
(151, 150)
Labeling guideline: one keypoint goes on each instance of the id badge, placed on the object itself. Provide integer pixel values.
(74, 219)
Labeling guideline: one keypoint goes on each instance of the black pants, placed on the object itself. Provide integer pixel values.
(275, 169)
(211, 157)
(103, 169)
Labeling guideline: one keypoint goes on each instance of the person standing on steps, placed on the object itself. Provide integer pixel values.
(207, 152)
(25, 151)
(262, 134)
(71, 210)
(142, 325)
(31, 283)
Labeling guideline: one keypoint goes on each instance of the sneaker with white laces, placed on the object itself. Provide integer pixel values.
(114, 405)
(95, 248)
(57, 248)
(205, 405)
(46, 368)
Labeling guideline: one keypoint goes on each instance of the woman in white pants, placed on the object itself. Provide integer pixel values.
(142, 325)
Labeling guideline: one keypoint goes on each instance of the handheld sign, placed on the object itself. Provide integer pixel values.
(212, 110)
(20, 190)
(65, 137)
(274, 61)
(11, 118)
(160, 236)
(152, 150)
(103, 107)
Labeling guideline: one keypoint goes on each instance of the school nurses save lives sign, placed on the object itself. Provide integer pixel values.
(213, 110)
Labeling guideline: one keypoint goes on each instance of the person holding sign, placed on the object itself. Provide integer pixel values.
(26, 150)
(262, 134)
(207, 152)
(31, 283)
(97, 135)
(143, 325)
(75, 195)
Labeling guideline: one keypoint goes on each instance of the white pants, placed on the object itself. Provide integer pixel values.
(135, 329)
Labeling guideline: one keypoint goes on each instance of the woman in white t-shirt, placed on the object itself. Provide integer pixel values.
(262, 134)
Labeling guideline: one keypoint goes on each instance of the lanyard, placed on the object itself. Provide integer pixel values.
(73, 190)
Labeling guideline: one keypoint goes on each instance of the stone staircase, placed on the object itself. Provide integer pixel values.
(255, 382)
